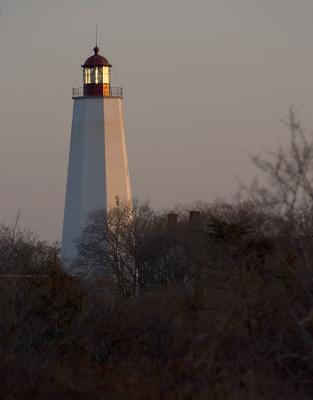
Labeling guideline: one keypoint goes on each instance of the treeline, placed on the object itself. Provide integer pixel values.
(216, 307)
(211, 304)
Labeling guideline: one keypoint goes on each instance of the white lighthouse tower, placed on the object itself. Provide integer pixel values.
(98, 176)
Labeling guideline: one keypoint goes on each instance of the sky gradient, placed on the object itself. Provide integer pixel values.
(205, 83)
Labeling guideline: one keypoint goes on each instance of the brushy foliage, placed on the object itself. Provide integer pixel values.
(219, 309)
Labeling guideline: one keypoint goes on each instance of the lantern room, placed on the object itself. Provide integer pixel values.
(97, 71)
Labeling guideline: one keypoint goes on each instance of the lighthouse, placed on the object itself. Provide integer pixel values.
(98, 175)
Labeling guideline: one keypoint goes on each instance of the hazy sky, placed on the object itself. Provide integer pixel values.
(205, 82)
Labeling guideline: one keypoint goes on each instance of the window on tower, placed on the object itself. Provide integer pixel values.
(87, 75)
(106, 75)
(94, 75)
(97, 75)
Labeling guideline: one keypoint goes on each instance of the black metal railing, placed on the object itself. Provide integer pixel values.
(114, 92)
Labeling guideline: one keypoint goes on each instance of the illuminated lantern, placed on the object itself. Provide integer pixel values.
(97, 72)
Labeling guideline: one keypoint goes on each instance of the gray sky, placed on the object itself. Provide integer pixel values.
(205, 82)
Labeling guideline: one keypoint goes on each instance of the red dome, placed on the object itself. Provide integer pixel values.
(96, 60)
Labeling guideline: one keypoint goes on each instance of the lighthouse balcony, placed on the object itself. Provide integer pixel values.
(111, 92)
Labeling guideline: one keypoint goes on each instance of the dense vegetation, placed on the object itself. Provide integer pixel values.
(219, 306)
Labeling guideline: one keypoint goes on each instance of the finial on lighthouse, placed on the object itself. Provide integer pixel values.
(96, 48)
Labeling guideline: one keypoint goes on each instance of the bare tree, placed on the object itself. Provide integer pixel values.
(288, 172)
(21, 252)
(119, 244)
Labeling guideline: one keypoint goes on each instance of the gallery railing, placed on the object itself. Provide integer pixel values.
(114, 92)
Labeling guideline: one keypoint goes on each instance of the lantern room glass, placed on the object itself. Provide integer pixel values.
(97, 75)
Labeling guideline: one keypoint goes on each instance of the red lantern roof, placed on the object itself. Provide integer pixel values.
(96, 60)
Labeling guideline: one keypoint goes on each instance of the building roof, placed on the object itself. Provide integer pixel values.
(96, 60)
